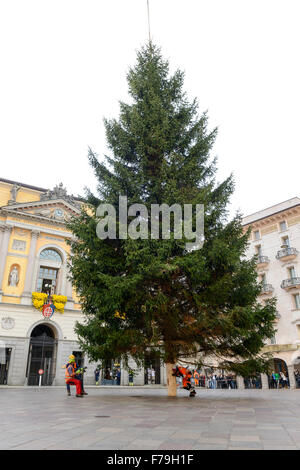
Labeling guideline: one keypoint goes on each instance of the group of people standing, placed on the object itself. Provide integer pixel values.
(222, 381)
(107, 374)
(212, 381)
(278, 380)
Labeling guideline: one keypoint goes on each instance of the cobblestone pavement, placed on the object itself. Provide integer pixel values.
(140, 418)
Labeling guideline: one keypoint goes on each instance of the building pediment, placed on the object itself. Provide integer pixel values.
(54, 210)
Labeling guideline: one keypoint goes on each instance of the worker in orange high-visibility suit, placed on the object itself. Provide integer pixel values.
(70, 377)
(186, 375)
(196, 377)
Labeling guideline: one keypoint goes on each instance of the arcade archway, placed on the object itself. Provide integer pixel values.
(278, 366)
(42, 355)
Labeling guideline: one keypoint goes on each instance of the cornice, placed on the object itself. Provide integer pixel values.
(34, 217)
(6, 307)
(44, 203)
(277, 348)
(273, 218)
(34, 228)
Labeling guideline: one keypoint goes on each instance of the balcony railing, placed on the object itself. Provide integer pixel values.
(263, 260)
(287, 253)
(267, 289)
(291, 282)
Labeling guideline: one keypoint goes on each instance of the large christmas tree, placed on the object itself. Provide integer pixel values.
(138, 294)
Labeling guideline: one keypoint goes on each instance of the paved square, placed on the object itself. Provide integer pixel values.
(145, 418)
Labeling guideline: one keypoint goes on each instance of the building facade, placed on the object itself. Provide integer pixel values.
(275, 239)
(33, 259)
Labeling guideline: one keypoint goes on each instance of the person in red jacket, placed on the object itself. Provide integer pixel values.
(186, 375)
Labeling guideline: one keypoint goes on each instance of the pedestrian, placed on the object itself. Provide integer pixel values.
(118, 377)
(149, 374)
(284, 383)
(297, 378)
(97, 373)
(273, 383)
(277, 378)
(196, 378)
(214, 381)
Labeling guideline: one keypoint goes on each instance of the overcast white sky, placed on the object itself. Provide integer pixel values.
(64, 64)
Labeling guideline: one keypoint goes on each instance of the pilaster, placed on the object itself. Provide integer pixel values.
(27, 294)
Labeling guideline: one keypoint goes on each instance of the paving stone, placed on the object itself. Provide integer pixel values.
(212, 440)
(210, 447)
(245, 438)
(214, 419)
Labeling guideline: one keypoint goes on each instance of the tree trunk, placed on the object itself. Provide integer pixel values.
(171, 380)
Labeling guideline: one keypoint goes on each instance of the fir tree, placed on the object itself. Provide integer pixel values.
(141, 294)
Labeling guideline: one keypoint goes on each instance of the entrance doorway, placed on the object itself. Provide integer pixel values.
(42, 355)
(152, 368)
(277, 366)
(5, 354)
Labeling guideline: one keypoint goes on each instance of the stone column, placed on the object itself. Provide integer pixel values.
(124, 375)
(240, 382)
(26, 295)
(264, 382)
(292, 379)
(163, 374)
(1, 234)
(6, 231)
(69, 290)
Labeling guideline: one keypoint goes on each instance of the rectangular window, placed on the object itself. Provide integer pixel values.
(273, 340)
(283, 226)
(263, 279)
(258, 250)
(285, 241)
(297, 300)
(256, 235)
(47, 279)
(292, 272)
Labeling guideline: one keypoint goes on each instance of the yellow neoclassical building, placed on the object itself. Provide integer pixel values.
(33, 259)
(33, 263)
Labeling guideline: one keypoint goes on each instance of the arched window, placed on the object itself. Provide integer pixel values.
(49, 268)
(50, 255)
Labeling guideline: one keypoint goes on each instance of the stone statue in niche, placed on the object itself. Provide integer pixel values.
(13, 192)
(13, 279)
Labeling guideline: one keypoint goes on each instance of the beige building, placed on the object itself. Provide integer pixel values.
(275, 238)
